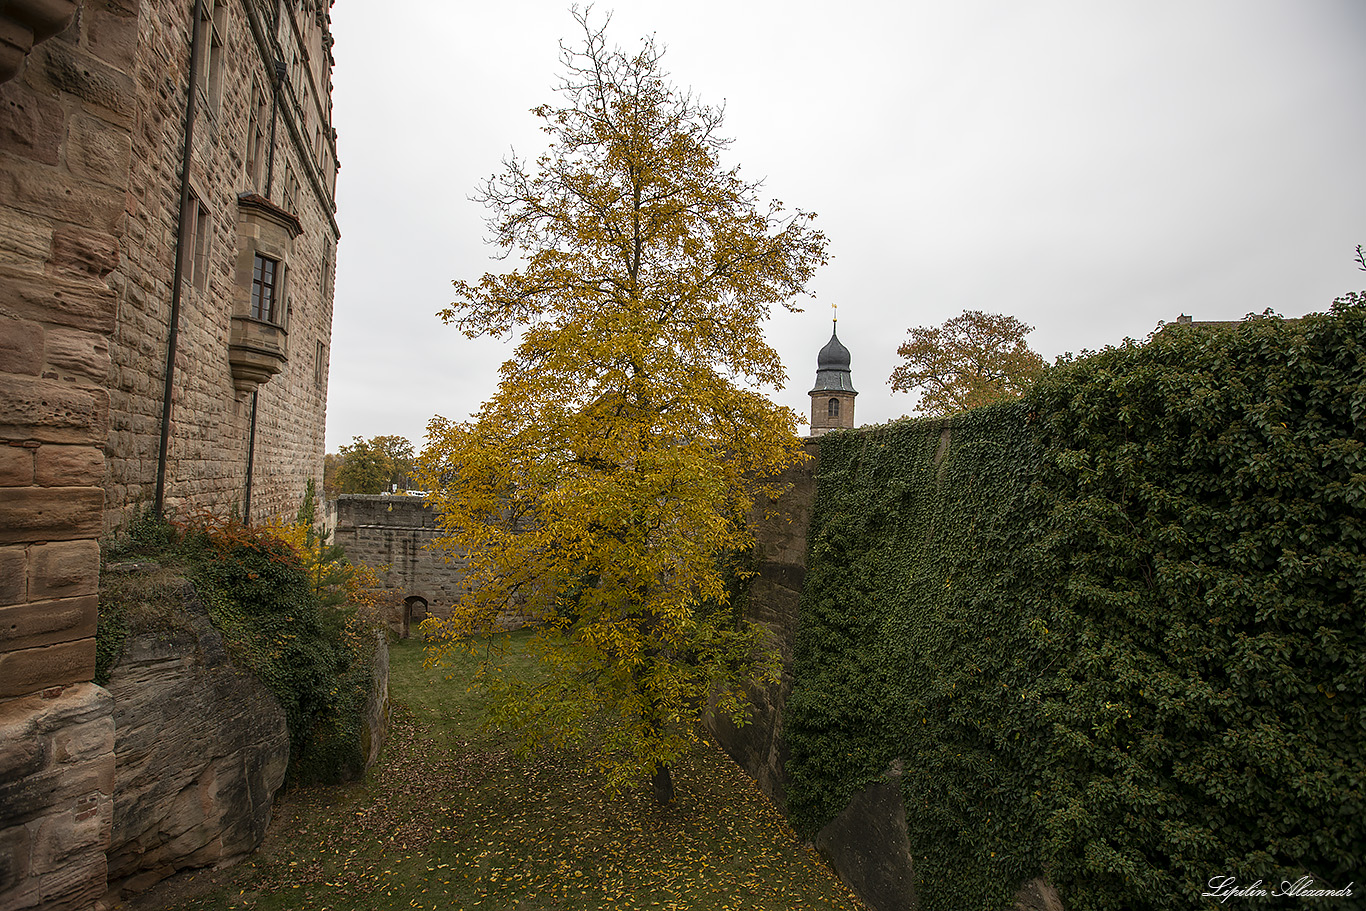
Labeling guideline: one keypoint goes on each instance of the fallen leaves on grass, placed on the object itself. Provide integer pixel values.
(453, 820)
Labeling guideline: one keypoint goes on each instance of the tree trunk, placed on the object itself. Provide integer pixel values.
(663, 784)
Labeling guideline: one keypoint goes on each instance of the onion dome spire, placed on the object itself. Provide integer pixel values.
(832, 365)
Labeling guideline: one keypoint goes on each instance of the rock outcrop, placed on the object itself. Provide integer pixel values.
(377, 706)
(201, 749)
(56, 788)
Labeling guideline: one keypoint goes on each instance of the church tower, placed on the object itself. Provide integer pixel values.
(832, 398)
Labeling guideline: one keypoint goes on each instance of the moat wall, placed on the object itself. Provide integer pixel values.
(392, 534)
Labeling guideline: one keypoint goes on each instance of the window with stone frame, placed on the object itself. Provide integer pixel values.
(209, 79)
(291, 199)
(258, 345)
(319, 365)
(329, 267)
(197, 242)
(832, 409)
(258, 115)
(266, 280)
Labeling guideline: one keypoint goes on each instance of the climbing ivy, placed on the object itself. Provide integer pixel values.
(314, 656)
(1113, 631)
(263, 600)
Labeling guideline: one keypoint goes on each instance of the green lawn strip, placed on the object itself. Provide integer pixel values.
(450, 819)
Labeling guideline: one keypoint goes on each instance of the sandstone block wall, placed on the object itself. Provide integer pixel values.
(65, 140)
(211, 421)
(391, 534)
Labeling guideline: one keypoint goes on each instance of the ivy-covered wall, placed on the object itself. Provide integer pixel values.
(1113, 631)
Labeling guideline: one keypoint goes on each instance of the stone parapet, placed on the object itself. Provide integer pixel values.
(393, 534)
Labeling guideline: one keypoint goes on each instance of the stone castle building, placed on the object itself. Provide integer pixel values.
(832, 398)
(253, 277)
(167, 246)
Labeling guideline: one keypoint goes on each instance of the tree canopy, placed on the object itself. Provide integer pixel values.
(374, 465)
(972, 360)
(601, 490)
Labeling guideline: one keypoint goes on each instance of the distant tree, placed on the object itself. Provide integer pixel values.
(375, 465)
(1361, 258)
(972, 360)
(603, 486)
(332, 461)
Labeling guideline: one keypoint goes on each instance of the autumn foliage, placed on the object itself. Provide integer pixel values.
(601, 489)
(972, 360)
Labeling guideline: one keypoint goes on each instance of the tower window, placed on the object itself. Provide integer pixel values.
(832, 409)
(263, 288)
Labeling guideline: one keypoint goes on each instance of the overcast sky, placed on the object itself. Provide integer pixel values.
(1090, 167)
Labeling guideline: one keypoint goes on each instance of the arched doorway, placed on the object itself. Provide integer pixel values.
(414, 611)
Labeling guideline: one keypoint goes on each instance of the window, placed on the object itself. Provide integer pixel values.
(203, 234)
(329, 267)
(257, 115)
(258, 346)
(198, 235)
(263, 287)
(210, 76)
(832, 409)
(319, 360)
(291, 190)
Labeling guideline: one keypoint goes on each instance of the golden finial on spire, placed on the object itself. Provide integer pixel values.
(834, 312)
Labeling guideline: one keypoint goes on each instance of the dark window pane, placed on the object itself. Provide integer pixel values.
(263, 288)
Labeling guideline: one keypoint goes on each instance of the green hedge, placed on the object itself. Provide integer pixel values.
(1114, 630)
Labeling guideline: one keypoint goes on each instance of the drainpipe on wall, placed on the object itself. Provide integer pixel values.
(178, 277)
(251, 457)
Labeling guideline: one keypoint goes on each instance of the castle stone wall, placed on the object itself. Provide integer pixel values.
(391, 534)
(91, 132)
(65, 141)
(211, 419)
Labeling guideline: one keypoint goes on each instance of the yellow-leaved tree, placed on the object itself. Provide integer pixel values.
(603, 489)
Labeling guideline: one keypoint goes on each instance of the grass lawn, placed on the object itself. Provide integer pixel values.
(450, 819)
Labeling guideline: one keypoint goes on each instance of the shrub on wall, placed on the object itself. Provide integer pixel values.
(1114, 631)
(314, 656)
